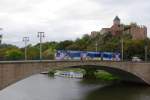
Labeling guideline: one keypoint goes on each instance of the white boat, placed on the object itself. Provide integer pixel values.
(69, 74)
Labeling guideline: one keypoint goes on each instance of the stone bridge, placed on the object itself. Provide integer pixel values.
(13, 71)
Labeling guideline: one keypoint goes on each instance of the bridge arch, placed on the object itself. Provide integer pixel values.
(122, 74)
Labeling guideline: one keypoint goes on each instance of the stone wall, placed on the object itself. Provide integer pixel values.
(138, 32)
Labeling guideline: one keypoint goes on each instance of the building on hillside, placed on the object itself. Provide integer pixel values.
(137, 32)
(105, 30)
(94, 34)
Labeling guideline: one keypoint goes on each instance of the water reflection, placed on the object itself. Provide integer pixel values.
(41, 87)
(120, 92)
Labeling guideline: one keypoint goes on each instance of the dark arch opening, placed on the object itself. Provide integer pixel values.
(123, 75)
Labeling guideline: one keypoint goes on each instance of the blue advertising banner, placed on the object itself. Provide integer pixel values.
(86, 55)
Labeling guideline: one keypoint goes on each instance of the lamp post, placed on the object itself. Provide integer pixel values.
(145, 49)
(122, 47)
(145, 52)
(1, 36)
(96, 44)
(25, 40)
(40, 36)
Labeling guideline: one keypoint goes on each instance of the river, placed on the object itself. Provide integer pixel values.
(42, 87)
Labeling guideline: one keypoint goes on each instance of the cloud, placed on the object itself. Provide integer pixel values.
(65, 19)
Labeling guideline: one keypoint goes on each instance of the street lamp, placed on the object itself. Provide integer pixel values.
(25, 40)
(145, 52)
(41, 35)
(122, 47)
(1, 36)
(145, 49)
(96, 44)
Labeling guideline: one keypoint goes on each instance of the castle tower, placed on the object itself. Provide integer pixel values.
(116, 27)
(116, 21)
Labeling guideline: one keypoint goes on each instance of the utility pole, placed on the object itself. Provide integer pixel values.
(122, 51)
(146, 49)
(145, 52)
(1, 36)
(25, 40)
(41, 35)
(96, 46)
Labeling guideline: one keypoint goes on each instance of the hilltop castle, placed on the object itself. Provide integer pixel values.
(137, 32)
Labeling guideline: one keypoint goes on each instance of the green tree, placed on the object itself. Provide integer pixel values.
(64, 44)
(49, 53)
(14, 54)
(33, 53)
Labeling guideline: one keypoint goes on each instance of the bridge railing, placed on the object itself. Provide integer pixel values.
(49, 61)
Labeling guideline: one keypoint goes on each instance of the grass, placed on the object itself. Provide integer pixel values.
(105, 76)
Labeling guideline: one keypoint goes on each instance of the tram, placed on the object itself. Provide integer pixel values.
(86, 55)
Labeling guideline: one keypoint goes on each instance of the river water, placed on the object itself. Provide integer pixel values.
(41, 87)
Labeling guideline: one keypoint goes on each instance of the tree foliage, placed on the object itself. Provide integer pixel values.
(105, 42)
(14, 54)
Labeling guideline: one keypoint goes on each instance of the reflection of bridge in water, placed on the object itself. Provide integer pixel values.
(13, 71)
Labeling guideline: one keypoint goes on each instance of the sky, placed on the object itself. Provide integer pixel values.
(66, 19)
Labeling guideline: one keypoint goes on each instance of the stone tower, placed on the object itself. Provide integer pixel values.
(116, 21)
(116, 28)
